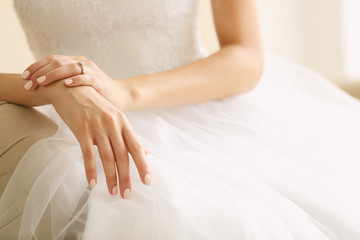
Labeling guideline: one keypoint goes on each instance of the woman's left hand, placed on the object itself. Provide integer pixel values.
(58, 67)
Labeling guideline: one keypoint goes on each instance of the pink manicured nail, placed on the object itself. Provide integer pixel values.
(147, 179)
(114, 191)
(41, 79)
(25, 74)
(92, 183)
(28, 85)
(68, 81)
(127, 193)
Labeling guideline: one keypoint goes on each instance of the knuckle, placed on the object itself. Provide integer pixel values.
(109, 119)
(123, 156)
(74, 67)
(100, 89)
(121, 116)
(31, 68)
(93, 79)
(51, 57)
(96, 83)
(108, 156)
(52, 75)
(88, 154)
(57, 62)
(137, 146)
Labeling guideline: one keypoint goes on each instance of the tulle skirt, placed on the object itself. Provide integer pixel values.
(280, 162)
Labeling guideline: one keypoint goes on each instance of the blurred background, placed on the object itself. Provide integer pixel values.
(320, 34)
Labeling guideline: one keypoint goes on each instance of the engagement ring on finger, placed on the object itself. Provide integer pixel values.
(81, 65)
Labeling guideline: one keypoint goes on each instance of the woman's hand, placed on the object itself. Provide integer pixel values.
(57, 67)
(95, 121)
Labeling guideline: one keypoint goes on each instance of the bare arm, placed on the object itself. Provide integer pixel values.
(235, 68)
(12, 90)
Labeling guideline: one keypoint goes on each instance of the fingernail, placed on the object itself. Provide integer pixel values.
(92, 183)
(127, 193)
(114, 191)
(147, 179)
(25, 74)
(41, 79)
(68, 81)
(28, 85)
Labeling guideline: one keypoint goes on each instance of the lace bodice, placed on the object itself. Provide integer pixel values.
(123, 37)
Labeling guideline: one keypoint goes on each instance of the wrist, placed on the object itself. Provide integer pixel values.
(54, 92)
(57, 92)
(126, 94)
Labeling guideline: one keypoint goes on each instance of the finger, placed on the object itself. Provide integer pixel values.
(32, 83)
(87, 149)
(29, 71)
(62, 72)
(53, 62)
(39, 77)
(122, 163)
(108, 161)
(35, 76)
(138, 154)
(84, 80)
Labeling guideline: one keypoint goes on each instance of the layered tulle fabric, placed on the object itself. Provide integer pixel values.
(278, 163)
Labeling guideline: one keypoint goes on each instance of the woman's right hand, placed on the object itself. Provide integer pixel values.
(96, 121)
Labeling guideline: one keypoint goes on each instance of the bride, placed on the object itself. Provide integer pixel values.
(142, 135)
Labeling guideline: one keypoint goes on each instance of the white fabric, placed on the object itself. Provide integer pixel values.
(278, 163)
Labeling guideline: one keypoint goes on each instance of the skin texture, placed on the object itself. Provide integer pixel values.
(235, 68)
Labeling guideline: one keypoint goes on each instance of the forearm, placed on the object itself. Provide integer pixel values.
(230, 71)
(12, 91)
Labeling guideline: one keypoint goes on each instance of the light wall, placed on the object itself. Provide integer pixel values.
(15, 54)
(322, 34)
(208, 32)
(305, 31)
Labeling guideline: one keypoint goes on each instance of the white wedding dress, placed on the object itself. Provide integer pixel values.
(279, 163)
